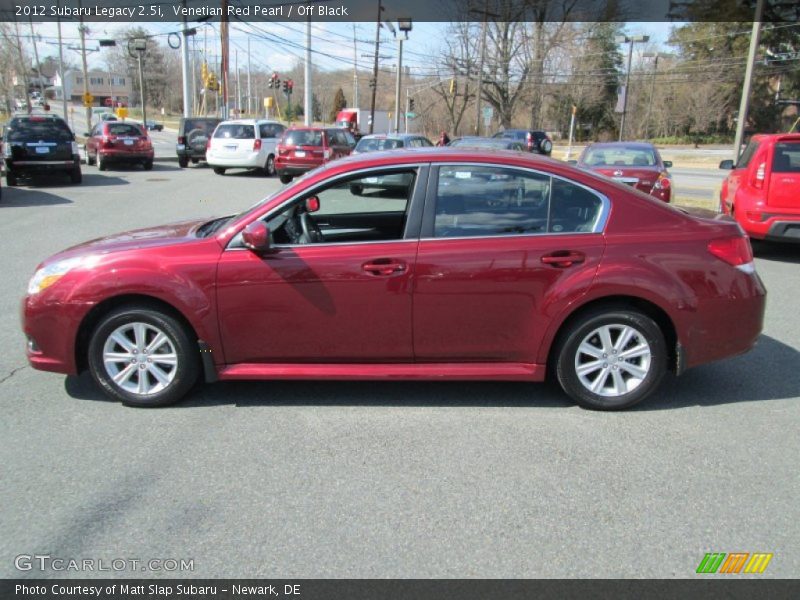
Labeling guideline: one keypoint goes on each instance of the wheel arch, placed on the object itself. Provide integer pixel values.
(645, 306)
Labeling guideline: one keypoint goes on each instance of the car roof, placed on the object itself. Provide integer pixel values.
(249, 122)
(392, 136)
(631, 145)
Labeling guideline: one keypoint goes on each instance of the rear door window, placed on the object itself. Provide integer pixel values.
(235, 131)
(786, 158)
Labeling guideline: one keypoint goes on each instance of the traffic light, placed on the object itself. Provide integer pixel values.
(286, 86)
(411, 105)
(372, 82)
(291, 86)
(274, 81)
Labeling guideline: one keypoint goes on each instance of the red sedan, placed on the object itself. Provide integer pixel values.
(118, 142)
(439, 264)
(762, 191)
(637, 164)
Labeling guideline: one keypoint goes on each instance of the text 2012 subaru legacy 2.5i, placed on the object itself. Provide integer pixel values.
(481, 266)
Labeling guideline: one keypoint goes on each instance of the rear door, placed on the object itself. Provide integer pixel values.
(784, 180)
(234, 140)
(502, 251)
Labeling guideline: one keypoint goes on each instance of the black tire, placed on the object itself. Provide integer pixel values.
(576, 333)
(269, 167)
(102, 164)
(11, 178)
(75, 175)
(219, 170)
(89, 160)
(186, 371)
(183, 162)
(195, 161)
(286, 178)
(148, 165)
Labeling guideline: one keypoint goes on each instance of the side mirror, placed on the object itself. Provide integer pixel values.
(312, 204)
(726, 164)
(256, 236)
(572, 161)
(667, 164)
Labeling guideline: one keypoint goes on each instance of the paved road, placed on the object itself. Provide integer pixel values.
(298, 479)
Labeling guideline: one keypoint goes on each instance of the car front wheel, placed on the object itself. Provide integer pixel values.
(269, 168)
(285, 177)
(611, 359)
(143, 357)
(183, 162)
(11, 178)
(219, 170)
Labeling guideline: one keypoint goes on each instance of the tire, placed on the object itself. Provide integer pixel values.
(102, 164)
(219, 170)
(286, 178)
(195, 161)
(89, 160)
(618, 388)
(166, 379)
(269, 168)
(183, 162)
(11, 179)
(148, 165)
(75, 175)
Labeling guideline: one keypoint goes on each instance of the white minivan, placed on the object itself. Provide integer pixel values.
(244, 144)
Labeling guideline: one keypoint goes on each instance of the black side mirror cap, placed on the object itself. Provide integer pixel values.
(726, 164)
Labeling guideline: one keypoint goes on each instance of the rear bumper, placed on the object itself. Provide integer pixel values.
(291, 167)
(784, 231)
(125, 156)
(251, 161)
(31, 166)
(189, 152)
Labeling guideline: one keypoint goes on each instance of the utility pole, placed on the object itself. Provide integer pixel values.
(88, 109)
(355, 69)
(38, 64)
(238, 84)
(622, 39)
(655, 56)
(375, 69)
(223, 35)
(187, 107)
(748, 81)
(478, 98)
(249, 88)
(307, 108)
(61, 70)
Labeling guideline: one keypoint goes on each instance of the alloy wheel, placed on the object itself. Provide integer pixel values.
(140, 358)
(613, 360)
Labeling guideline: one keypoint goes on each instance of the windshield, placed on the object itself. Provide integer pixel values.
(620, 157)
(46, 129)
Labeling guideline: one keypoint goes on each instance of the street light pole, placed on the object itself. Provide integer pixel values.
(61, 70)
(622, 39)
(405, 25)
(375, 70)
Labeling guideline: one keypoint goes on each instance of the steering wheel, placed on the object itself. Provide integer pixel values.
(311, 231)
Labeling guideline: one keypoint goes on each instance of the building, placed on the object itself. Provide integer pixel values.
(104, 86)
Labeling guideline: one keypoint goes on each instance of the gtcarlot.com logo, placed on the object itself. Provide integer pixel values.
(46, 562)
(733, 563)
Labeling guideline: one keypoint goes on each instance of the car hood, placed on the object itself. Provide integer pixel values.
(162, 235)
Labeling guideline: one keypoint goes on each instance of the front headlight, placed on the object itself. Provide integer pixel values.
(47, 276)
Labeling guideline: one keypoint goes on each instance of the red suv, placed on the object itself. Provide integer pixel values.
(418, 264)
(118, 142)
(304, 148)
(762, 191)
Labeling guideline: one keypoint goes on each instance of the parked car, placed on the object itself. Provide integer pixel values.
(304, 148)
(533, 140)
(490, 266)
(193, 136)
(153, 125)
(244, 144)
(391, 141)
(762, 191)
(39, 143)
(637, 164)
(118, 142)
(502, 143)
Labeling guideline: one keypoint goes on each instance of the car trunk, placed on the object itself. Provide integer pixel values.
(641, 178)
(303, 148)
(784, 179)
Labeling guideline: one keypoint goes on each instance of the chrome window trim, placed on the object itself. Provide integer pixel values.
(600, 221)
(311, 190)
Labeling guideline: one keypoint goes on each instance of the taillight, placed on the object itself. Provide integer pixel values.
(758, 182)
(208, 144)
(735, 251)
(257, 144)
(107, 142)
(663, 182)
(181, 139)
(283, 151)
(529, 140)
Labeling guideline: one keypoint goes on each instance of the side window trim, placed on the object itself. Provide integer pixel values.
(429, 214)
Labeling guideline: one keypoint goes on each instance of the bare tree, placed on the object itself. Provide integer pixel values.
(455, 70)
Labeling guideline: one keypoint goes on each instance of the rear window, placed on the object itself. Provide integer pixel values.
(786, 158)
(203, 124)
(271, 130)
(373, 144)
(302, 137)
(123, 129)
(45, 129)
(620, 157)
(235, 131)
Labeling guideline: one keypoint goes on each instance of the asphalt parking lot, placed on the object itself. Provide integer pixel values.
(352, 479)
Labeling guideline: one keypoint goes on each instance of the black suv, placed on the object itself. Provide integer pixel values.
(193, 135)
(39, 143)
(533, 140)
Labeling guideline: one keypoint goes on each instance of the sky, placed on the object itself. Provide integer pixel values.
(279, 46)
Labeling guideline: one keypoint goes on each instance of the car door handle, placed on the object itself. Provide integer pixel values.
(563, 258)
(383, 266)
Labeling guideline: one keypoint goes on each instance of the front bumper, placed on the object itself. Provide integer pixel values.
(51, 328)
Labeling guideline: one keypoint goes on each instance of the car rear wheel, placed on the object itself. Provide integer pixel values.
(219, 170)
(102, 164)
(195, 161)
(269, 168)
(11, 179)
(143, 357)
(75, 175)
(285, 178)
(611, 359)
(89, 160)
(148, 165)
(183, 162)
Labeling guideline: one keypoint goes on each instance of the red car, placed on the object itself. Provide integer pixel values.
(304, 148)
(762, 191)
(637, 164)
(118, 142)
(503, 266)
